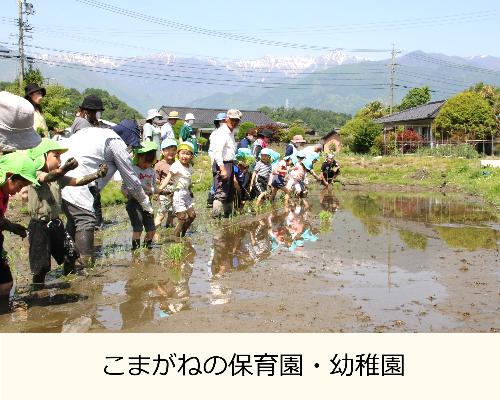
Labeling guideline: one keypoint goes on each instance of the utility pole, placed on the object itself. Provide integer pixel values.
(393, 73)
(23, 8)
(21, 45)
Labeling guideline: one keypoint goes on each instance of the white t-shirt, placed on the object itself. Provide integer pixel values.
(181, 175)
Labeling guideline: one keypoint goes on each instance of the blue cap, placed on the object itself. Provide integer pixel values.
(244, 151)
(168, 143)
(266, 152)
(129, 131)
(313, 156)
(220, 117)
(307, 163)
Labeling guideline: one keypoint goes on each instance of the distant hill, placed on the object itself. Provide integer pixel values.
(333, 81)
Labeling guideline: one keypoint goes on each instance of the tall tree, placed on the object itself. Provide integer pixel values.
(415, 97)
(467, 114)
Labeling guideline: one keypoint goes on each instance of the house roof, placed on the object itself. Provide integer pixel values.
(425, 111)
(333, 132)
(206, 116)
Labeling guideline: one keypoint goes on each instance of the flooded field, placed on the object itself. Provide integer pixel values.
(350, 262)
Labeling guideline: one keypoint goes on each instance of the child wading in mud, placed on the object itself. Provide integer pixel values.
(261, 176)
(162, 167)
(179, 176)
(143, 160)
(48, 236)
(16, 171)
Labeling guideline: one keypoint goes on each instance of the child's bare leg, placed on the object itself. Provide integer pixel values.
(159, 219)
(261, 198)
(273, 194)
(150, 235)
(181, 219)
(170, 218)
(191, 215)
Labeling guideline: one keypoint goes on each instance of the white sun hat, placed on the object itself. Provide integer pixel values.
(16, 123)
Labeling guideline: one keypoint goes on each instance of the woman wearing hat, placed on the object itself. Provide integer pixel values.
(16, 124)
(34, 94)
(167, 130)
(150, 131)
(88, 114)
(261, 142)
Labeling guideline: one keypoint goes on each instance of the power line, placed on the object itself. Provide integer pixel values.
(212, 32)
(466, 67)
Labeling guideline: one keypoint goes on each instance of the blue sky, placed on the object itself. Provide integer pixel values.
(463, 28)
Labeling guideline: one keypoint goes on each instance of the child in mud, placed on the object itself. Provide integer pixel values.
(16, 171)
(242, 176)
(329, 170)
(179, 176)
(296, 176)
(280, 171)
(48, 236)
(261, 176)
(143, 160)
(162, 167)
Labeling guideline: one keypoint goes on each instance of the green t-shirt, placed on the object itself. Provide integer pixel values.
(44, 202)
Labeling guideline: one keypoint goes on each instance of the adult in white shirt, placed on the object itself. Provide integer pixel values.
(167, 130)
(223, 148)
(219, 120)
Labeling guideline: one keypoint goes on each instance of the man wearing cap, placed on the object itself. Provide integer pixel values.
(224, 150)
(34, 94)
(167, 130)
(291, 148)
(16, 124)
(91, 147)
(88, 114)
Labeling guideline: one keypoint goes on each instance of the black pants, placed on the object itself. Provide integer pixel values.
(94, 190)
(48, 239)
(224, 188)
(5, 274)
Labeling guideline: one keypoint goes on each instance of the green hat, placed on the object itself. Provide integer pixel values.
(37, 154)
(146, 147)
(18, 163)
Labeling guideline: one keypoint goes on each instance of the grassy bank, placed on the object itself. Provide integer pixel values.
(429, 173)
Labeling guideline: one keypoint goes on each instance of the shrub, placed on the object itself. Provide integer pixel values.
(244, 128)
(271, 127)
(450, 150)
(203, 142)
(409, 141)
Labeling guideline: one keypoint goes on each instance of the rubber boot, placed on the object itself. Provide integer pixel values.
(210, 200)
(217, 209)
(136, 243)
(69, 267)
(148, 244)
(38, 281)
(84, 242)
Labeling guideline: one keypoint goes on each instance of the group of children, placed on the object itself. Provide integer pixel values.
(168, 178)
(262, 180)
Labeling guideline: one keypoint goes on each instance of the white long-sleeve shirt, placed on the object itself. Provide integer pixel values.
(167, 132)
(222, 145)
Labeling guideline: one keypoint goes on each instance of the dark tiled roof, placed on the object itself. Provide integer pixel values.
(205, 116)
(425, 111)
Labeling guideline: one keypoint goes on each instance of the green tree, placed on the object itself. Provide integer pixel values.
(359, 134)
(56, 107)
(466, 115)
(244, 128)
(373, 110)
(114, 109)
(415, 97)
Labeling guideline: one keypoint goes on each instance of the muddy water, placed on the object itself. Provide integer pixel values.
(349, 261)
